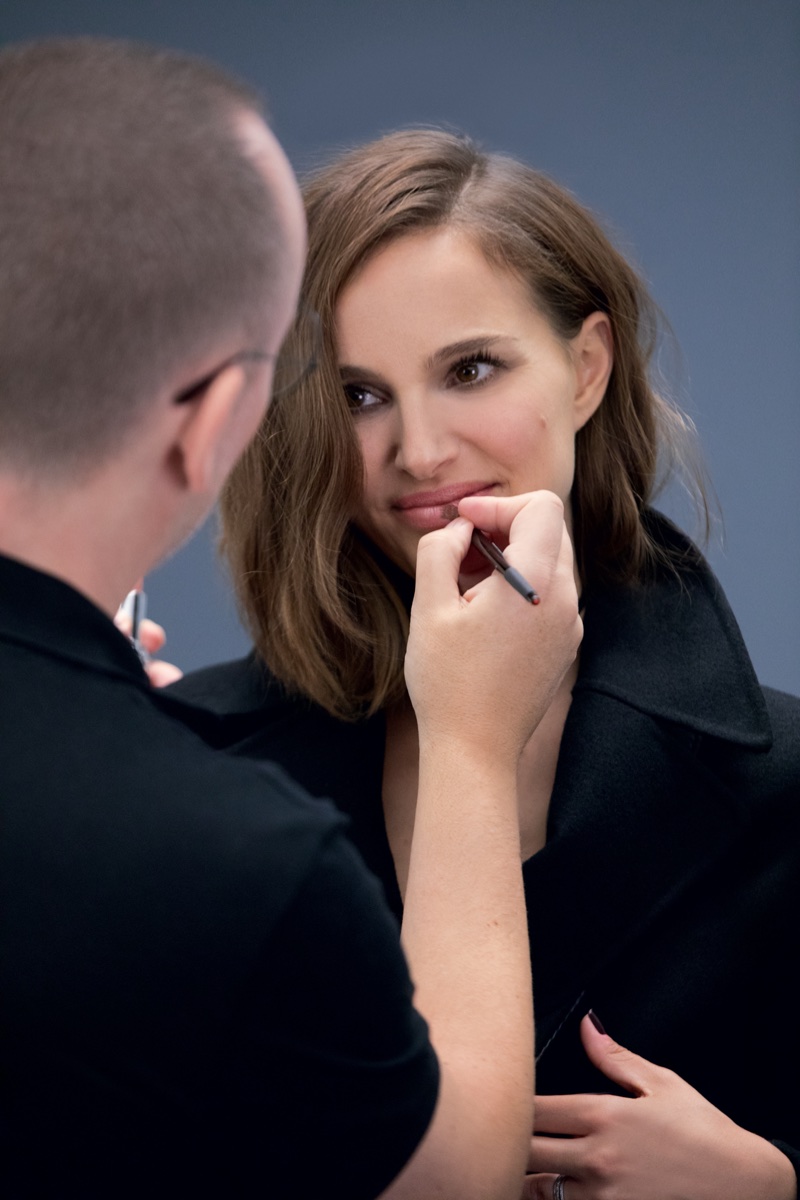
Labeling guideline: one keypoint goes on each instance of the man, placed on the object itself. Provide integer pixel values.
(203, 993)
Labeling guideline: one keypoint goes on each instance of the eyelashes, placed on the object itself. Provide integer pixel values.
(361, 398)
(469, 371)
(469, 362)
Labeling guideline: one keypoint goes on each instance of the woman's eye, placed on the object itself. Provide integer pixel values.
(471, 371)
(360, 398)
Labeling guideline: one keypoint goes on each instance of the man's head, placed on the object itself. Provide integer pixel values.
(149, 228)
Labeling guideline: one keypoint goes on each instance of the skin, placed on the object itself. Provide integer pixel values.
(425, 428)
(614, 1142)
(427, 416)
(162, 484)
(438, 425)
(465, 928)
(464, 923)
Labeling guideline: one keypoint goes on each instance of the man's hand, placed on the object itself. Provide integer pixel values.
(481, 671)
(152, 638)
(484, 667)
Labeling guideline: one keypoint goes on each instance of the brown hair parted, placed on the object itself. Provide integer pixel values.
(133, 236)
(323, 614)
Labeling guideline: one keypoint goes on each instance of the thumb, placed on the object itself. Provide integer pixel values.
(635, 1074)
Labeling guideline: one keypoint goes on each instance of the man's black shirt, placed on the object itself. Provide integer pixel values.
(203, 991)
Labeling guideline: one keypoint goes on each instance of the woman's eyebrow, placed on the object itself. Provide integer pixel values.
(470, 345)
(352, 374)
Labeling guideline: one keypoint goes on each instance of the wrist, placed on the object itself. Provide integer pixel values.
(770, 1173)
(471, 739)
(465, 766)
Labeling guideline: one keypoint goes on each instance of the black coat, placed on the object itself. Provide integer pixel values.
(667, 896)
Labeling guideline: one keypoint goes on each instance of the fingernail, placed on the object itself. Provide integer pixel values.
(598, 1024)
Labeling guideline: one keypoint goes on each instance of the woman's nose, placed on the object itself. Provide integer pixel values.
(424, 442)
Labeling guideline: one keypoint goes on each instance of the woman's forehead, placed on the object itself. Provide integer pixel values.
(439, 269)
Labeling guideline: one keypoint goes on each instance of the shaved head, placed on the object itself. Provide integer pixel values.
(143, 227)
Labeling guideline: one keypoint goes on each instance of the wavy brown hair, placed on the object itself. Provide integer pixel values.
(321, 609)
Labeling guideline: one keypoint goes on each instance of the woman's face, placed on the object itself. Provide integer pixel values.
(458, 386)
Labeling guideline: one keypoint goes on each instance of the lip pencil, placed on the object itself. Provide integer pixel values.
(135, 607)
(498, 560)
(495, 556)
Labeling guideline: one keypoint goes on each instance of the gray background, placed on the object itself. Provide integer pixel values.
(676, 120)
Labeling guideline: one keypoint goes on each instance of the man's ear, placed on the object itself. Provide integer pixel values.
(593, 357)
(206, 445)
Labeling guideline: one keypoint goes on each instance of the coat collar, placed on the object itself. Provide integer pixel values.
(638, 813)
(672, 648)
(698, 671)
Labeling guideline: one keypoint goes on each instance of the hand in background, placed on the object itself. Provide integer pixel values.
(665, 1142)
(152, 638)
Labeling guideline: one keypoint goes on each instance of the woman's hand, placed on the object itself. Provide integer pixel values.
(152, 638)
(665, 1142)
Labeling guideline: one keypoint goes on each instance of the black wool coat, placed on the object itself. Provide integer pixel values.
(667, 896)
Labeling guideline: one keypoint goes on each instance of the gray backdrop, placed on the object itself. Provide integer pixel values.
(677, 120)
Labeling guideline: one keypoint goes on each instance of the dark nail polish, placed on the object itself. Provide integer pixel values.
(598, 1024)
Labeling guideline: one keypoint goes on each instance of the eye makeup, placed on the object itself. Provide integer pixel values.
(481, 358)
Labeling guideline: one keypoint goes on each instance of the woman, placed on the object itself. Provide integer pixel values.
(482, 336)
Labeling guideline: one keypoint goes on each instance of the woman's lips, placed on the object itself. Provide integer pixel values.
(433, 510)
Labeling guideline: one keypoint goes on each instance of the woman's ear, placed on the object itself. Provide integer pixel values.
(593, 357)
(207, 443)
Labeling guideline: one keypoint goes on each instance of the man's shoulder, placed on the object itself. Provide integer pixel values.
(257, 799)
(88, 747)
(159, 885)
(146, 830)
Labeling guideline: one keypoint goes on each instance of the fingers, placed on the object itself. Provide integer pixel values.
(439, 556)
(123, 622)
(543, 1187)
(162, 674)
(494, 513)
(556, 1156)
(538, 1187)
(635, 1074)
(531, 528)
(487, 665)
(532, 525)
(573, 1115)
(151, 635)
(151, 638)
